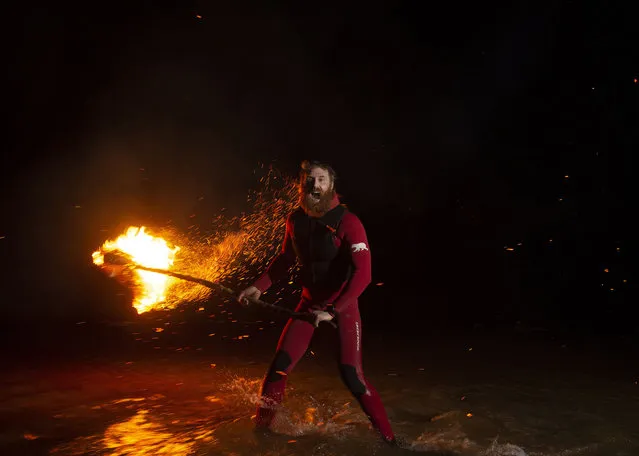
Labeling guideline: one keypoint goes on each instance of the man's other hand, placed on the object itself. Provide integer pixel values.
(250, 293)
(320, 316)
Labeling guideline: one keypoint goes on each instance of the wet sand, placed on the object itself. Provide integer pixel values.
(186, 383)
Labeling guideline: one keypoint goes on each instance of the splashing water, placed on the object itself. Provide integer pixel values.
(503, 449)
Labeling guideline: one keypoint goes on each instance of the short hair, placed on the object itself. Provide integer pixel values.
(308, 165)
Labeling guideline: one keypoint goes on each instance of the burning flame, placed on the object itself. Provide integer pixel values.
(145, 250)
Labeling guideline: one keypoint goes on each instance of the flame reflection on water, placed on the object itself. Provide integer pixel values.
(140, 435)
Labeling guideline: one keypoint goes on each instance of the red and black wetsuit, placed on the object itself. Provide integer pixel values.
(335, 262)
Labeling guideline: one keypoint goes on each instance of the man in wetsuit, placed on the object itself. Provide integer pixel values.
(329, 244)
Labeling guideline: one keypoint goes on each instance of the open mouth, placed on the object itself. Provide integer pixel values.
(316, 195)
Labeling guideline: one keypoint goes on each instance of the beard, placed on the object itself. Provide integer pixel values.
(317, 206)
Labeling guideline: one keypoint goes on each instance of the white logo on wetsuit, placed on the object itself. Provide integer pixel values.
(359, 247)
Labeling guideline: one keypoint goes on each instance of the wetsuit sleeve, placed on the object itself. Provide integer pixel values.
(355, 239)
(281, 263)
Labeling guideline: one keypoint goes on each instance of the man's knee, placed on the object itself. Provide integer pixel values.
(351, 379)
(280, 363)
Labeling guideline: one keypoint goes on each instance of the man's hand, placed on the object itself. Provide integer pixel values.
(248, 293)
(320, 316)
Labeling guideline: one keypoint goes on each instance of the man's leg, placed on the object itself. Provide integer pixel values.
(294, 341)
(350, 336)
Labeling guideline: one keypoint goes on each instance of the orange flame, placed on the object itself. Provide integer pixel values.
(146, 250)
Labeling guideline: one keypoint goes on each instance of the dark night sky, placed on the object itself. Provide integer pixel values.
(452, 127)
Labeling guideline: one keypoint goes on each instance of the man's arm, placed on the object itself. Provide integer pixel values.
(281, 264)
(356, 241)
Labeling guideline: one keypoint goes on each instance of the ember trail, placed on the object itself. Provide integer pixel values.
(237, 245)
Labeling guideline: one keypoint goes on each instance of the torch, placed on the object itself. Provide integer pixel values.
(121, 259)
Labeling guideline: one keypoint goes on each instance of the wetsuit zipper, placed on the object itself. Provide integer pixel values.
(311, 231)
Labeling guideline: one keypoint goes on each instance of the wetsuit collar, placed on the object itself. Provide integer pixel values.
(334, 202)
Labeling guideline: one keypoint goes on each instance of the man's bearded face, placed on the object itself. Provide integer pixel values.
(317, 192)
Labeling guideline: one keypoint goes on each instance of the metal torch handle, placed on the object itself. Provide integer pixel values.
(218, 286)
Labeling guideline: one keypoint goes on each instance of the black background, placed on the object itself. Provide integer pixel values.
(452, 128)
